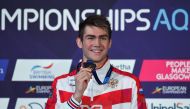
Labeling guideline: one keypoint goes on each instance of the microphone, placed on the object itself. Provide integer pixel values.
(89, 64)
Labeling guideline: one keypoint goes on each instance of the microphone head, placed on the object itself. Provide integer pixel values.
(89, 64)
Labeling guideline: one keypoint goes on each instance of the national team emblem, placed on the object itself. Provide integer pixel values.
(113, 83)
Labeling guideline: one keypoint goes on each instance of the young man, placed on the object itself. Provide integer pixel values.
(104, 87)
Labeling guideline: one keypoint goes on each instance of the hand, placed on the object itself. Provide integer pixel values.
(81, 81)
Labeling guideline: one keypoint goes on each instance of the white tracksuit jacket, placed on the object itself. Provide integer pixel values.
(123, 91)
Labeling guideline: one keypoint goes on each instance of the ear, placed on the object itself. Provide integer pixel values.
(79, 42)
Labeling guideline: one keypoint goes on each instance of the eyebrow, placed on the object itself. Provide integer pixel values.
(104, 35)
(95, 36)
(90, 35)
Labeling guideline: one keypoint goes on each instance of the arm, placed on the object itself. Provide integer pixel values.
(52, 97)
(138, 99)
(53, 101)
(81, 81)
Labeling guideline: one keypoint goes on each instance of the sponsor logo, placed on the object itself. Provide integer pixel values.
(4, 103)
(165, 70)
(170, 90)
(30, 103)
(40, 69)
(124, 65)
(3, 68)
(38, 89)
(168, 103)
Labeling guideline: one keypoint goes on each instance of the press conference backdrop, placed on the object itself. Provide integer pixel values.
(150, 39)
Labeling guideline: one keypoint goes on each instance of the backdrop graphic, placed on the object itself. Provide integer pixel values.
(150, 39)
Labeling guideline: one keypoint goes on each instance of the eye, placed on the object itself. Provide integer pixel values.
(90, 38)
(104, 38)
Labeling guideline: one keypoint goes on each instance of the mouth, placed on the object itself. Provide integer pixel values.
(96, 51)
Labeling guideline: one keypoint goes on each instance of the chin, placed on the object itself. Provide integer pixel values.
(97, 60)
(93, 59)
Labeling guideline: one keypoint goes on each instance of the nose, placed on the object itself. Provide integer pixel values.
(97, 42)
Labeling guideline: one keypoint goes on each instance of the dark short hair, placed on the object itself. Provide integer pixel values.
(95, 20)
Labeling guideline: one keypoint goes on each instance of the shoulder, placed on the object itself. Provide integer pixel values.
(126, 74)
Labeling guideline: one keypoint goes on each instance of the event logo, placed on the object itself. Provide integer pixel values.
(4, 103)
(165, 70)
(157, 90)
(170, 90)
(124, 64)
(168, 103)
(40, 69)
(3, 68)
(30, 103)
(38, 89)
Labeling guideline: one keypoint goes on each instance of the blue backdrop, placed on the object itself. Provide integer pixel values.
(142, 30)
